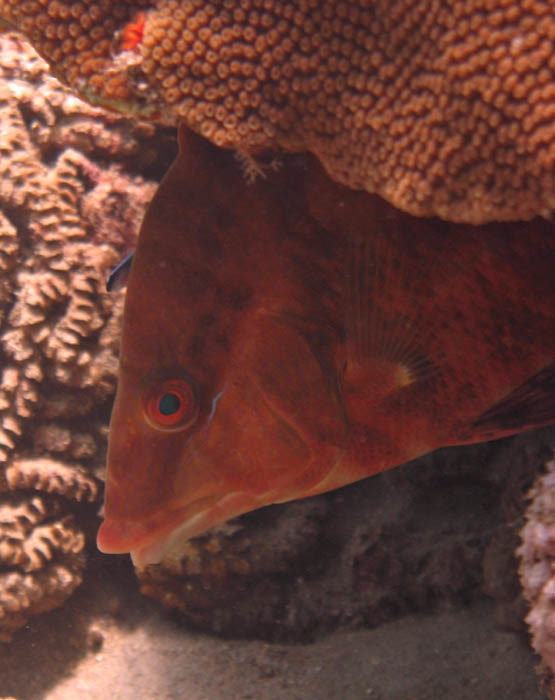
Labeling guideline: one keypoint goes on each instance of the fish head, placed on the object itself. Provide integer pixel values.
(182, 458)
(201, 430)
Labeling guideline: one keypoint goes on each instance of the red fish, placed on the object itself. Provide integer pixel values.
(286, 338)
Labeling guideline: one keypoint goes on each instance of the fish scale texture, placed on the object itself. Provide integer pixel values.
(443, 108)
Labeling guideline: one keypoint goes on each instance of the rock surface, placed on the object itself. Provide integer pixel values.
(537, 568)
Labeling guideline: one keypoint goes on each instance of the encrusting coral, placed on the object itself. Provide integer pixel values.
(66, 217)
(537, 568)
(443, 108)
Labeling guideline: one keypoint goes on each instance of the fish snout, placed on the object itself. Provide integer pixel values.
(145, 540)
(119, 537)
(150, 541)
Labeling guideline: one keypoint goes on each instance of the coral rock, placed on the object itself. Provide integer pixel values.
(537, 567)
(57, 340)
(66, 217)
(52, 477)
(41, 558)
(443, 108)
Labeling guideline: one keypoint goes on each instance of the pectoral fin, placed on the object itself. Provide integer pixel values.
(388, 327)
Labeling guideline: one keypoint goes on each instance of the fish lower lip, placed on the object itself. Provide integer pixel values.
(155, 550)
(151, 554)
(121, 537)
(149, 545)
(117, 538)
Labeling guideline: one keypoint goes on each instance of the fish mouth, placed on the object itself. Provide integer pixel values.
(149, 543)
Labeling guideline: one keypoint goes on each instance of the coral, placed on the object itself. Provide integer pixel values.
(41, 558)
(442, 108)
(537, 567)
(70, 206)
(66, 219)
(426, 537)
(51, 477)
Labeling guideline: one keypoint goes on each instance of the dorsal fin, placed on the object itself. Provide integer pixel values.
(530, 405)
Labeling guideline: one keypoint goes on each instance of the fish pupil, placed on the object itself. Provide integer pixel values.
(169, 404)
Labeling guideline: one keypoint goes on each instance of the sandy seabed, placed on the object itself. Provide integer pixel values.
(110, 642)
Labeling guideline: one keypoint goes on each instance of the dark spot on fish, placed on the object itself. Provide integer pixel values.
(209, 241)
(196, 347)
(222, 216)
(206, 320)
(197, 282)
(236, 297)
(222, 340)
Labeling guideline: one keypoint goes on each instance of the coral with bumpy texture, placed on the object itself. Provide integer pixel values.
(66, 217)
(52, 477)
(55, 307)
(443, 108)
(41, 557)
(537, 568)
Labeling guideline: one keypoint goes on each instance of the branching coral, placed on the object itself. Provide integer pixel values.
(66, 217)
(51, 477)
(56, 312)
(41, 558)
(537, 567)
(443, 108)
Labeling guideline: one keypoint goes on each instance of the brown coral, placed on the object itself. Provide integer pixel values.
(57, 314)
(65, 219)
(41, 558)
(537, 567)
(442, 108)
(51, 477)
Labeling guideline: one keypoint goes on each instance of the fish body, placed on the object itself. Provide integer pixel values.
(285, 338)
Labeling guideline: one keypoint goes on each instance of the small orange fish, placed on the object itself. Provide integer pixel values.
(289, 337)
(132, 33)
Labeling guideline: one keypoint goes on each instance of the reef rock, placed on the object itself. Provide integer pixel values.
(537, 569)
(70, 205)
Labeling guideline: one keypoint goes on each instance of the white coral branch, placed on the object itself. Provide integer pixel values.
(44, 474)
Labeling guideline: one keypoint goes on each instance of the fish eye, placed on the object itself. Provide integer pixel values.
(171, 405)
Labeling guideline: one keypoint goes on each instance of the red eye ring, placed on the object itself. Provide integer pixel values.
(171, 405)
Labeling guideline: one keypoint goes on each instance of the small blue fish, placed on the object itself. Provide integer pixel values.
(117, 279)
